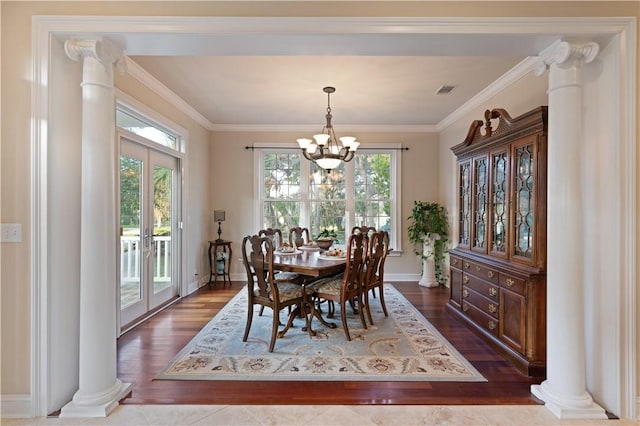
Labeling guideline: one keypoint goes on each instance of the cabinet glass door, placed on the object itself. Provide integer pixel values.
(480, 199)
(464, 170)
(524, 167)
(499, 204)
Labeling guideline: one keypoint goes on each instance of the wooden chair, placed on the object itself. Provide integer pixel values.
(367, 230)
(347, 286)
(275, 235)
(298, 236)
(264, 290)
(374, 271)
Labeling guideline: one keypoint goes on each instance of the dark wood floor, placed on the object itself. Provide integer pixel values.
(145, 350)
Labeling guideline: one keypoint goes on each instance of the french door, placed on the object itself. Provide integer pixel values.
(148, 229)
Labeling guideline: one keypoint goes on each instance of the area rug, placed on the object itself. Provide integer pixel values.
(401, 347)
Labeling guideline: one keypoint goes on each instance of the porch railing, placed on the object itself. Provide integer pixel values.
(130, 258)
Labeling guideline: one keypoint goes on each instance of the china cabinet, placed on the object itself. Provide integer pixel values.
(498, 267)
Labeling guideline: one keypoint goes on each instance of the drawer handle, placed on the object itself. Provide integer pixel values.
(465, 293)
(491, 274)
(492, 291)
(465, 307)
(454, 261)
(510, 282)
(492, 308)
(492, 325)
(465, 279)
(477, 268)
(467, 265)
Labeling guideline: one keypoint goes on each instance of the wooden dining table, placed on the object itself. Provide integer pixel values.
(308, 263)
(311, 264)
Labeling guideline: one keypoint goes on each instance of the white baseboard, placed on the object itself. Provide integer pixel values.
(15, 406)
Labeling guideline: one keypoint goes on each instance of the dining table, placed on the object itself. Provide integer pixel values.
(314, 264)
(311, 263)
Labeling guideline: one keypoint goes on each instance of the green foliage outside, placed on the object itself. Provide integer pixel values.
(327, 194)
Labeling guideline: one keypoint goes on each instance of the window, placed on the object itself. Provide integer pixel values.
(294, 191)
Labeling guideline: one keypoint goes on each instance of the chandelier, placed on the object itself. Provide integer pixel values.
(325, 150)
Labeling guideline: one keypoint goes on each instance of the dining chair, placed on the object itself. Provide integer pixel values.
(374, 270)
(298, 236)
(367, 230)
(275, 234)
(347, 286)
(264, 290)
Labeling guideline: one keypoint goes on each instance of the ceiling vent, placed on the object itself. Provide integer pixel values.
(445, 90)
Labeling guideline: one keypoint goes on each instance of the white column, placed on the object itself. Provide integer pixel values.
(564, 391)
(99, 389)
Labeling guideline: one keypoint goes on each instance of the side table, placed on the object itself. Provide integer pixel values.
(215, 247)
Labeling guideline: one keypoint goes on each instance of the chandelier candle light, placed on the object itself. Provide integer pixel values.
(326, 151)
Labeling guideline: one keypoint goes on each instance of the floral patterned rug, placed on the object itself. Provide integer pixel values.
(401, 347)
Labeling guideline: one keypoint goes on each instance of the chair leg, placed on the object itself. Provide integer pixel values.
(248, 326)
(274, 329)
(361, 311)
(384, 306)
(343, 315)
(366, 303)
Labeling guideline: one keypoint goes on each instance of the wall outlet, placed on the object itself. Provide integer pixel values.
(11, 233)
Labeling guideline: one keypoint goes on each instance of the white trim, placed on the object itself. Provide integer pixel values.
(514, 74)
(629, 311)
(43, 27)
(15, 406)
(312, 128)
(39, 232)
(140, 74)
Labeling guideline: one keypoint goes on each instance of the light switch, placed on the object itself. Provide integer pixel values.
(11, 233)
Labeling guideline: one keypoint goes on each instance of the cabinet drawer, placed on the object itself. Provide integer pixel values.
(488, 306)
(515, 284)
(485, 321)
(455, 262)
(482, 287)
(481, 271)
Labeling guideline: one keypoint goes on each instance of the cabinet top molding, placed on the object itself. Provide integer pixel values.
(507, 127)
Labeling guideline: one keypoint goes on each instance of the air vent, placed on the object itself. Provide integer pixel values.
(444, 90)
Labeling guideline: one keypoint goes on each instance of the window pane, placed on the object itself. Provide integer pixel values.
(327, 186)
(328, 215)
(281, 208)
(135, 125)
(372, 187)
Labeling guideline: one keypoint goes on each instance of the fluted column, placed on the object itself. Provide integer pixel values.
(564, 391)
(99, 389)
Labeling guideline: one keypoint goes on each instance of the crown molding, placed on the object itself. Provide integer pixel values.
(140, 74)
(310, 128)
(514, 74)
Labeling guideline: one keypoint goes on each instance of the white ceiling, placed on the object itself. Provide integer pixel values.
(266, 78)
(287, 90)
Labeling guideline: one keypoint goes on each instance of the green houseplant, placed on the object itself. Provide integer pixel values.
(428, 231)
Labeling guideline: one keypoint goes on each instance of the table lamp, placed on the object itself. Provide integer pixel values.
(218, 216)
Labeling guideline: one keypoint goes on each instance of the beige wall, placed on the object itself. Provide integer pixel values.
(232, 183)
(15, 133)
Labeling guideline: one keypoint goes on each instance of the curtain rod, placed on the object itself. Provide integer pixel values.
(402, 148)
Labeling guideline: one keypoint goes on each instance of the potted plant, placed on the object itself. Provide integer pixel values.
(325, 238)
(428, 231)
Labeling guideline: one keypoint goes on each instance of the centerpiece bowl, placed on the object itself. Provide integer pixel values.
(324, 243)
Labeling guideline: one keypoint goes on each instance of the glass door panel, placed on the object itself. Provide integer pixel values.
(524, 204)
(481, 194)
(147, 225)
(499, 205)
(464, 169)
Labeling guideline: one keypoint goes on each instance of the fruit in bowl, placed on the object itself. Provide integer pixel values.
(324, 242)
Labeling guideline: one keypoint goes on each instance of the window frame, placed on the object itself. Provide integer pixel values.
(393, 149)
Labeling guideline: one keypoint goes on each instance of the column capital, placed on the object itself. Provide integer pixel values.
(564, 53)
(103, 50)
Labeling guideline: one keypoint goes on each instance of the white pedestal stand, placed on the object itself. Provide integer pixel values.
(428, 278)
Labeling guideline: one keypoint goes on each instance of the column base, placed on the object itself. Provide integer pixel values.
(72, 409)
(569, 408)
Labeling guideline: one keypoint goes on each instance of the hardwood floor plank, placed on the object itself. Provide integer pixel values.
(145, 350)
